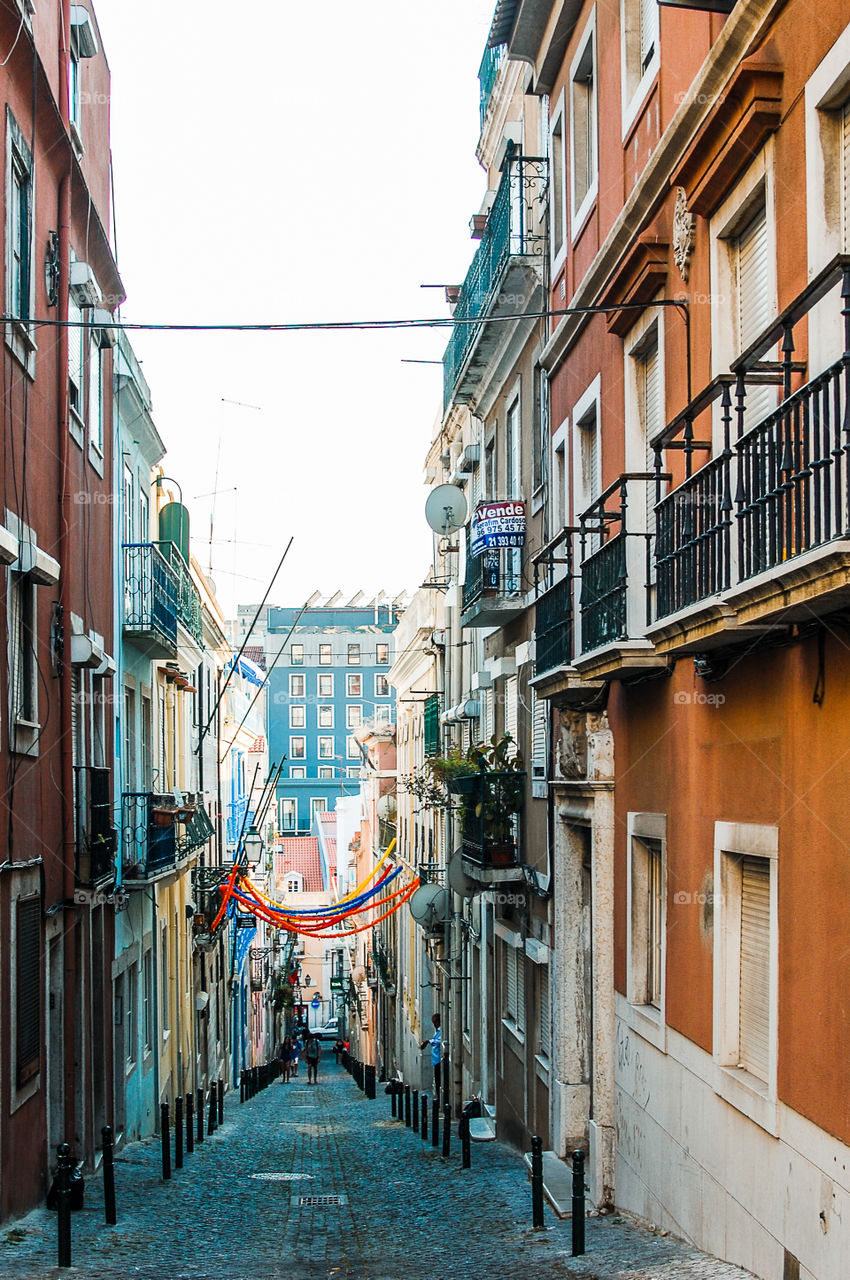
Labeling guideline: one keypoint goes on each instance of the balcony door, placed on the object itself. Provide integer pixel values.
(513, 474)
(755, 304)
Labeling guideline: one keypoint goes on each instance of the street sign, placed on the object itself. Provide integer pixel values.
(337, 984)
(315, 1003)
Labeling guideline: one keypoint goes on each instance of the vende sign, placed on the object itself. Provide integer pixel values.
(497, 524)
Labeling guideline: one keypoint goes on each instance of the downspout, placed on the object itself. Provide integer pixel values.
(65, 600)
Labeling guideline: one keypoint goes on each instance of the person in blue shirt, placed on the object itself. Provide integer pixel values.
(436, 1043)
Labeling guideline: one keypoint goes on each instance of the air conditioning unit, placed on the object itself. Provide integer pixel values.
(468, 460)
(83, 38)
(84, 287)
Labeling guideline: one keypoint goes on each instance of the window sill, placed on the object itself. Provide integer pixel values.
(21, 342)
(130, 1068)
(749, 1095)
(23, 738)
(96, 458)
(77, 428)
(514, 1031)
(582, 213)
(636, 103)
(76, 139)
(647, 1022)
(541, 1067)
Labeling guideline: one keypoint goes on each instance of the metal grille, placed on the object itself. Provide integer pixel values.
(320, 1202)
(28, 1038)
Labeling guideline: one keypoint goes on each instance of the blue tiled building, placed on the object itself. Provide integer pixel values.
(330, 678)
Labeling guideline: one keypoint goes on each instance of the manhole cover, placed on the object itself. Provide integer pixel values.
(282, 1177)
(318, 1202)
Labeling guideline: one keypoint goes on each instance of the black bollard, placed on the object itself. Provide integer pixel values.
(447, 1128)
(221, 1102)
(178, 1132)
(200, 1104)
(165, 1135)
(393, 1095)
(578, 1203)
(465, 1144)
(190, 1123)
(63, 1203)
(415, 1110)
(212, 1111)
(435, 1123)
(370, 1082)
(241, 1086)
(408, 1115)
(108, 1176)
(536, 1182)
(423, 1128)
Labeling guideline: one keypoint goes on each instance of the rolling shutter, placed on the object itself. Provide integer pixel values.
(510, 982)
(647, 33)
(754, 305)
(845, 167)
(519, 960)
(539, 710)
(28, 1039)
(544, 1020)
(511, 708)
(651, 423)
(754, 1017)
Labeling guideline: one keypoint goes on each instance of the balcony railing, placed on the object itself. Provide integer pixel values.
(188, 599)
(490, 807)
(148, 836)
(150, 596)
(553, 628)
(515, 228)
(493, 574)
(781, 489)
(487, 73)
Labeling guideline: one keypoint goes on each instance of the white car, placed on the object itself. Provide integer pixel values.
(330, 1030)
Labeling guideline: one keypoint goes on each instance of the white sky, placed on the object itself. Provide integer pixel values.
(285, 161)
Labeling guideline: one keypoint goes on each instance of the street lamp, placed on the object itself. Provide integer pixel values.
(253, 846)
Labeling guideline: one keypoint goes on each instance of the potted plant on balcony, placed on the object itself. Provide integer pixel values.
(491, 796)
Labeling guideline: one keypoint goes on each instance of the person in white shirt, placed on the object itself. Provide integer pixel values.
(436, 1043)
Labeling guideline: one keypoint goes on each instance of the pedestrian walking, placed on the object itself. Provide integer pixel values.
(436, 1043)
(284, 1053)
(313, 1054)
(296, 1053)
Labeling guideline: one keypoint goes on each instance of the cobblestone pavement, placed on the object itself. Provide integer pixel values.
(233, 1212)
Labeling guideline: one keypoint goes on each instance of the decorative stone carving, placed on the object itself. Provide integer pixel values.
(684, 224)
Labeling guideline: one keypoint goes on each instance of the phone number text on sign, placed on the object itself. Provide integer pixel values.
(497, 524)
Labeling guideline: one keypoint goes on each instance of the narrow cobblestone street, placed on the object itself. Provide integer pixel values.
(233, 1212)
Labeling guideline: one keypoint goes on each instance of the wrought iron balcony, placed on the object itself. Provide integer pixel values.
(188, 599)
(156, 833)
(615, 543)
(553, 627)
(487, 72)
(492, 592)
(762, 531)
(150, 599)
(96, 838)
(490, 806)
(505, 277)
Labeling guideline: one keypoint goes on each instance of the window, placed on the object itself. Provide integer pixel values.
(127, 499)
(746, 957)
(294, 883)
(515, 986)
(541, 434)
(20, 280)
(383, 715)
(352, 771)
(288, 815)
(130, 738)
(558, 209)
(22, 626)
(325, 655)
(354, 686)
(587, 461)
(296, 686)
(326, 771)
(326, 717)
(382, 654)
(539, 727)
(297, 716)
(639, 25)
(147, 1000)
(28, 988)
(298, 771)
(544, 1012)
(131, 1029)
(352, 749)
(76, 367)
(353, 716)
(326, 748)
(647, 921)
(163, 982)
(649, 389)
(146, 741)
(583, 122)
(354, 655)
(297, 747)
(326, 686)
(95, 405)
(513, 471)
(753, 281)
(74, 90)
(296, 655)
(382, 687)
(318, 804)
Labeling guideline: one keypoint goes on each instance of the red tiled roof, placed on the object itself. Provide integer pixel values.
(301, 854)
(327, 815)
(254, 652)
(331, 843)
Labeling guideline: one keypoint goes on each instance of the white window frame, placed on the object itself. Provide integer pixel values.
(96, 415)
(294, 752)
(378, 693)
(579, 211)
(558, 247)
(296, 655)
(297, 716)
(298, 771)
(636, 81)
(294, 882)
(286, 801)
(742, 1090)
(353, 649)
(352, 749)
(318, 804)
(351, 682)
(294, 692)
(379, 661)
(326, 689)
(325, 747)
(20, 332)
(326, 716)
(326, 654)
(326, 771)
(352, 771)
(384, 713)
(353, 716)
(647, 1019)
(513, 1019)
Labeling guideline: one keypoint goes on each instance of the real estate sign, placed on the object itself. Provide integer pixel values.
(497, 524)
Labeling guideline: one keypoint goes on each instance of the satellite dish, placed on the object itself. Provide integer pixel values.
(387, 807)
(459, 881)
(446, 509)
(428, 906)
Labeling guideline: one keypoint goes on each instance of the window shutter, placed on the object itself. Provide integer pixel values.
(519, 960)
(647, 33)
(511, 708)
(651, 423)
(28, 1040)
(510, 982)
(754, 305)
(544, 1020)
(754, 1018)
(845, 154)
(487, 714)
(539, 715)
